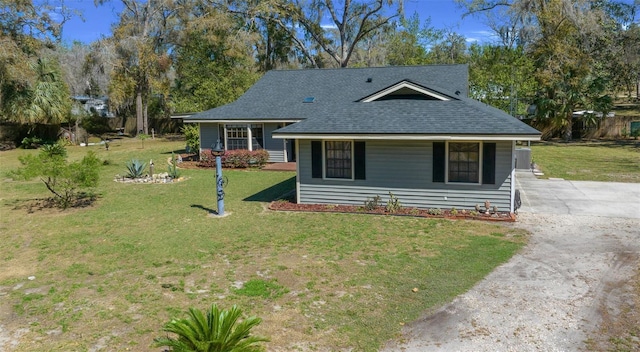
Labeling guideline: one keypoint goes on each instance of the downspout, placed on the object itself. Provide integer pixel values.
(513, 177)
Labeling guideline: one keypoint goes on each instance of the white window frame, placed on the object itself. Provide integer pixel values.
(324, 160)
(446, 159)
(247, 126)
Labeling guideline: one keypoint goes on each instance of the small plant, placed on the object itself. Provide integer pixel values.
(173, 169)
(135, 168)
(487, 206)
(494, 209)
(54, 150)
(624, 132)
(372, 203)
(434, 211)
(635, 133)
(453, 211)
(473, 213)
(217, 330)
(477, 208)
(142, 137)
(393, 204)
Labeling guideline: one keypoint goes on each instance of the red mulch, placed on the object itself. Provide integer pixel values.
(284, 205)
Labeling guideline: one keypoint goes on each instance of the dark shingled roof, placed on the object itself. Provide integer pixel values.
(280, 95)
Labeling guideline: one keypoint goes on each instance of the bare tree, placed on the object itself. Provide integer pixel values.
(317, 27)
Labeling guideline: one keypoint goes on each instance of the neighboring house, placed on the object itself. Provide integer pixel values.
(357, 133)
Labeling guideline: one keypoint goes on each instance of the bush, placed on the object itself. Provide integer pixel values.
(237, 159)
(192, 136)
(31, 142)
(61, 178)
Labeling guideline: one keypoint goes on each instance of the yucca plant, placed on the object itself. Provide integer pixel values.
(217, 331)
(135, 168)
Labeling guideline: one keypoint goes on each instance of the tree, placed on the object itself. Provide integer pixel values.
(142, 61)
(409, 43)
(450, 50)
(24, 31)
(63, 179)
(323, 26)
(564, 49)
(214, 61)
(217, 331)
(502, 77)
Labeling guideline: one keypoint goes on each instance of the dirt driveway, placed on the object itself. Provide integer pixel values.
(585, 246)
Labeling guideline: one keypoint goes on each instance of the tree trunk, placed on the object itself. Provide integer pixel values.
(567, 135)
(139, 117)
(146, 117)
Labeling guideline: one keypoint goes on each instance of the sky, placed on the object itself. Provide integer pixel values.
(444, 14)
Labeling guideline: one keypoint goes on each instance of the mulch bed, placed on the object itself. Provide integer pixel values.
(285, 205)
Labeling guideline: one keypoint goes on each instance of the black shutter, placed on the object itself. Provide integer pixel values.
(489, 163)
(316, 159)
(439, 156)
(359, 161)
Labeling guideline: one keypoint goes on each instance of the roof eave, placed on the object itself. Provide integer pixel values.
(415, 137)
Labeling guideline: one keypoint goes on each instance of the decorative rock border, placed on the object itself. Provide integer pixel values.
(156, 178)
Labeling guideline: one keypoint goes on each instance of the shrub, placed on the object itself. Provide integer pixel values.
(31, 142)
(237, 159)
(242, 158)
(218, 330)
(372, 203)
(135, 168)
(192, 136)
(64, 180)
(393, 204)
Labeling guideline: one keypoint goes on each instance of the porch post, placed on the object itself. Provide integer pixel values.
(249, 138)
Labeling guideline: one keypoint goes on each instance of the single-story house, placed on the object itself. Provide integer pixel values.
(360, 132)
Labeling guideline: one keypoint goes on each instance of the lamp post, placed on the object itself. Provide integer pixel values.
(217, 150)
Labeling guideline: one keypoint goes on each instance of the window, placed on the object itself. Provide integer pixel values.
(238, 137)
(338, 159)
(464, 162)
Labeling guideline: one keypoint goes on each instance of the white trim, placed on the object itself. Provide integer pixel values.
(297, 142)
(446, 164)
(241, 121)
(249, 137)
(410, 137)
(324, 162)
(404, 84)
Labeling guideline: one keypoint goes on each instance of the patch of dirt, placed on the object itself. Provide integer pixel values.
(568, 286)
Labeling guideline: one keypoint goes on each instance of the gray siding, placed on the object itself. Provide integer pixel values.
(275, 147)
(405, 169)
(209, 134)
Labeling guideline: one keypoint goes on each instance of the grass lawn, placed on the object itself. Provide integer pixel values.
(110, 275)
(611, 161)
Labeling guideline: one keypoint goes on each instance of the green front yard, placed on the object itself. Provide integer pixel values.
(611, 161)
(110, 275)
